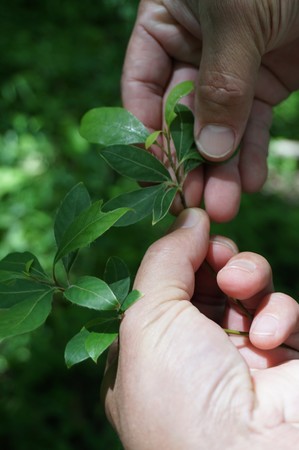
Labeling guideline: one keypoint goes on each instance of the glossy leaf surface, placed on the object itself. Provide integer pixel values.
(93, 293)
(112, 126)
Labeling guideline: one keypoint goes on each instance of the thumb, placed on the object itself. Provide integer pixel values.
(168, 267)
(231, 56)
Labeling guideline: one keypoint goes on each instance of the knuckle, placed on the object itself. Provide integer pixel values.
(222, 89)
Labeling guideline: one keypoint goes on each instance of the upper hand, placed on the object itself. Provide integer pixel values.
(244, 57)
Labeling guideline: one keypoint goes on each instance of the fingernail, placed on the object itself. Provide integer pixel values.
(265, 325)
(218, 240)
(188, 218)
(215, 141)
(241, 264)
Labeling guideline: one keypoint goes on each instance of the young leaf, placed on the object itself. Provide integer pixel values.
(140, 202)
(182, 130)
(18, 265)
(97, 343)
(76, 201)
(178, 92)
(130, 300)
(163, 203)
(135, 163)
(87, 227)
(24, 306)
(93, 293)
(112, 126)
(117, 275)
(75, 351)
(152, 138)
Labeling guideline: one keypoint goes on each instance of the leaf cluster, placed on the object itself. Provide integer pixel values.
(27, 292)
(120, 136)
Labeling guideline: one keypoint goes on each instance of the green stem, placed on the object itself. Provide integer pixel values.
(246, 334)
(236, 332)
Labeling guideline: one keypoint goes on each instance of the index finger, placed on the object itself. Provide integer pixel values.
(146, 71)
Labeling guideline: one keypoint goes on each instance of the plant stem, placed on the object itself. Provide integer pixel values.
(174, 168)
(183, 200)
(236, 332)
(246, 334)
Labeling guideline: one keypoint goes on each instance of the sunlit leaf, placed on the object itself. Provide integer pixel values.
(24, 306)
(131, 299)
(140, 202)
(135, 163)
(75, 351)
(163, 203)
(175, 95)
(91, 292)
(87, 227)
(182, 130)
(76, 201)
(112, 126)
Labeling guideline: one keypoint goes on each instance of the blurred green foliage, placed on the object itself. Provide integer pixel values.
(59, 59)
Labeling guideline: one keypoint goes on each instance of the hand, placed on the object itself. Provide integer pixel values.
(244, 56)
(177, 381)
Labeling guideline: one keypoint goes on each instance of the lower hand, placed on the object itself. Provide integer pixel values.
(177, 381)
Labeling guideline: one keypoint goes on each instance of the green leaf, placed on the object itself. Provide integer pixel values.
(163, 203)
(22, 264)
(117, 275)
(112, 126)
(24, 306)
(192, 159)
(182, 130)
(97, 343)
(178, 92)
(140, 202)
(130, 300)
(75, 201)
(87, 227)
(91, 292)
(115, 270)
(75, 351)
(135, 163)
(152, 138)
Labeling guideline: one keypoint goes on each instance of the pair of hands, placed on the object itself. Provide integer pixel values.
(177, 381)
(244, 58)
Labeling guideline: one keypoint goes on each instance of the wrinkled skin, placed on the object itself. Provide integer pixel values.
(244, 58)
(177, 381)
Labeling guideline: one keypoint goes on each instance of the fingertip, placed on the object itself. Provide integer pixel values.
(189, 218)
(276, 319)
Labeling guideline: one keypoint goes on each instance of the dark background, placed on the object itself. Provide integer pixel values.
(59, 59)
